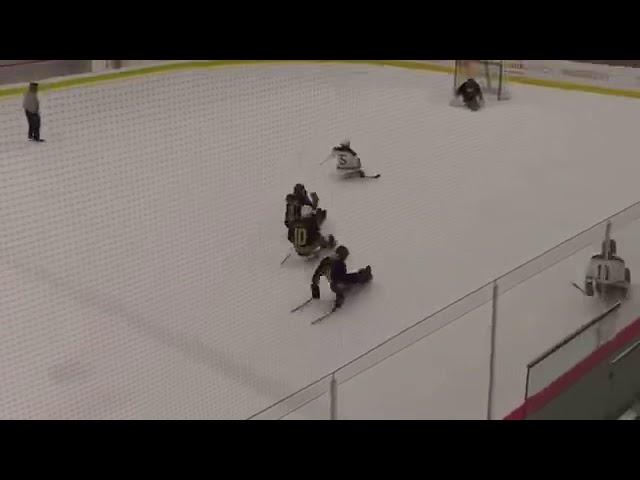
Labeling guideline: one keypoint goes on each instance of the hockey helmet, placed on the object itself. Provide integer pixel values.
(306, 211)
(299, 188)
(342, 252)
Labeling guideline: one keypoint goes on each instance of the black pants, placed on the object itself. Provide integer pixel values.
(342, 287)
(34, 125)
(473, 105)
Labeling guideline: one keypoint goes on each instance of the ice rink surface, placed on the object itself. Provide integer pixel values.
(141, 244)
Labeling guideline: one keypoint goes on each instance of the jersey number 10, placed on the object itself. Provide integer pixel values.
(300, 237)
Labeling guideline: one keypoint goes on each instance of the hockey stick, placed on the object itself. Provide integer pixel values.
(321, 318)
(326, 159)
(579, 287)
(285, 258)
(372, 176)
(302, 305)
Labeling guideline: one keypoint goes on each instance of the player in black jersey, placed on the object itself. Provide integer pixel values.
(297, 200)
(304, 234)
(335, 269)
(471, 94)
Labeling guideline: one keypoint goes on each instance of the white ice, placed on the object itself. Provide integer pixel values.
(141, 244)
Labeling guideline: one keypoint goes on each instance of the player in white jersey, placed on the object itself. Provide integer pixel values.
(348, 161)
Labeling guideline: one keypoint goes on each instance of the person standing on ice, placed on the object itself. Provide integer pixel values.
(31, 106)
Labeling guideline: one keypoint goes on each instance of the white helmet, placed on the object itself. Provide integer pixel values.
(306, 211)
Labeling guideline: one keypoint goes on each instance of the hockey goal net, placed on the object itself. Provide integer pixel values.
(490, 74)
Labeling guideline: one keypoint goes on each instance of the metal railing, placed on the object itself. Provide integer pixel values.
(563, 356)
(489, 292)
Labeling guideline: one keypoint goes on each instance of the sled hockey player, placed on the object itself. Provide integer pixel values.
(607, 274)
(471, 94)
(335, 269)
(304, 234)
(297, 200)
(348, 161)
(301, 195)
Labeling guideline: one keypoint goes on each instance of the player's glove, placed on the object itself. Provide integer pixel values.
(315, 291)
(314, 200)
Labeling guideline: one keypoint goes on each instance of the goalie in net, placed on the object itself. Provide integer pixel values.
(474, 79)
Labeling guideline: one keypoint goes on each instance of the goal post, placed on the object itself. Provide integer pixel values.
(490, 74)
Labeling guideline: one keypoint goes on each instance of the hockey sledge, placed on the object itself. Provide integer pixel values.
(607, 275)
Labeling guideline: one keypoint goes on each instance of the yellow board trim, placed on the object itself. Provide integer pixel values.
(207, 64)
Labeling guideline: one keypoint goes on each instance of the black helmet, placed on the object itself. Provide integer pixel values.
(342, 252)
(299, 188)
